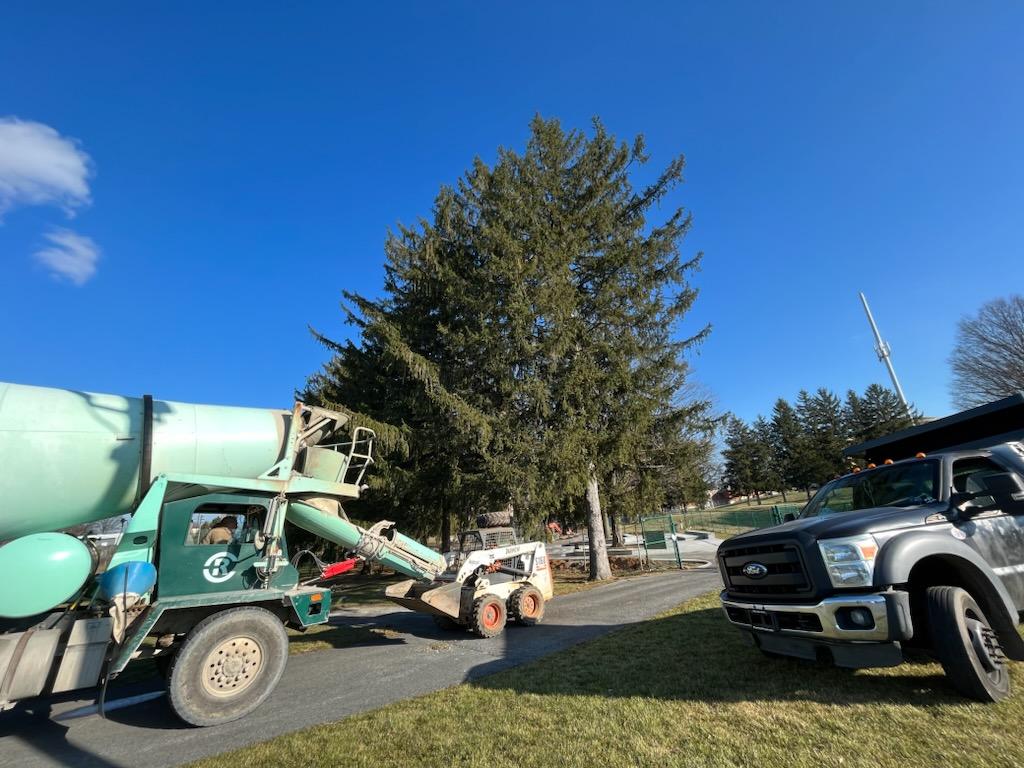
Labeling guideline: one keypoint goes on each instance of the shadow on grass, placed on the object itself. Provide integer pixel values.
(697, 655)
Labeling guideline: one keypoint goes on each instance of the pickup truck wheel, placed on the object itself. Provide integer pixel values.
(488, 617)
(228, 665)
(966, 645)
(526, 606)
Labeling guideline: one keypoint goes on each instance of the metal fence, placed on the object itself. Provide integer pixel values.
(721, 521)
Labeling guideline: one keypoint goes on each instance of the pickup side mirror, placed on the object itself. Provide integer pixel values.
(789, 517)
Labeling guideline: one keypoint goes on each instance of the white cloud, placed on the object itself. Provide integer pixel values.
(38, 166)
(69, 256)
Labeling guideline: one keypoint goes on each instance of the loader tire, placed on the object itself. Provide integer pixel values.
(526, 606)
(489, 616)
(228, 665)
(966, 645)
(494, 519)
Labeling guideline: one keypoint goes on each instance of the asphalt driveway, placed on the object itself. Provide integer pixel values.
(323, 686)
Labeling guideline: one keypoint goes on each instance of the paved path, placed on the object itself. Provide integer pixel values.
(325, 686)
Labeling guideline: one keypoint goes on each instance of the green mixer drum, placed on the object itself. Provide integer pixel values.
(71, 457)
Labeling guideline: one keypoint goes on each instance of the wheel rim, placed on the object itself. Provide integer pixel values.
(232, 666)
(987, 649)
(530, 605)
(491, 616)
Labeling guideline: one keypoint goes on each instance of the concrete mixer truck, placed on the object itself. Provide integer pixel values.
(201, 579)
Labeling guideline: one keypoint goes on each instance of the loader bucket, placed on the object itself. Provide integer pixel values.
(438, 600)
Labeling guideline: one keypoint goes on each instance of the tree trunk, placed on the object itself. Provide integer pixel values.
(446, 531)
(617, 538)
(757, 495)
(807, 490)
(784, 496)
(600, 570)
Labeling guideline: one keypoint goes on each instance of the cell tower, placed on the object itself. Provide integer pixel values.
(884, 353)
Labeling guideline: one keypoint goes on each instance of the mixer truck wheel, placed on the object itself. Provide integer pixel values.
(526, 606)
(488, 618)
(228, 665)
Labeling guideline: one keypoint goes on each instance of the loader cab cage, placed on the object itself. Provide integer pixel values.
(486, 538)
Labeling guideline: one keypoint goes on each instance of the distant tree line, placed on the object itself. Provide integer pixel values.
(802, 444)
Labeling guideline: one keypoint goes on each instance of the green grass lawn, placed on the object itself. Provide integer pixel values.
(684, 689)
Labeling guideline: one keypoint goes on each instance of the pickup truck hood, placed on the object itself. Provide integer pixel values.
(874, 520)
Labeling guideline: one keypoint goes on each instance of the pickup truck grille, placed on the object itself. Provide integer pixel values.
(786, 574)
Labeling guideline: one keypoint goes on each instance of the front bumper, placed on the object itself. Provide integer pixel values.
(807, 630)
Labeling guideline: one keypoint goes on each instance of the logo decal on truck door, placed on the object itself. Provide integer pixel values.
(219, 567)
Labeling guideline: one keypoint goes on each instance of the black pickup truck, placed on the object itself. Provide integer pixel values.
(926, 551)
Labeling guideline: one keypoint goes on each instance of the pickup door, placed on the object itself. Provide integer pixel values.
(996, 535)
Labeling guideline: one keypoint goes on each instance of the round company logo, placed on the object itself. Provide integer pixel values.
(755, 570)
(219, 567)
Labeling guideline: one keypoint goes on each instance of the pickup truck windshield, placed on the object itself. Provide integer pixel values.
(899, 485)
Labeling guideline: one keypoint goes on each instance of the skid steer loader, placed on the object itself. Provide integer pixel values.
(491, 577)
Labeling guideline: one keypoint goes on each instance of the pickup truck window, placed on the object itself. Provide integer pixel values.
(898, 485)
(969, 477)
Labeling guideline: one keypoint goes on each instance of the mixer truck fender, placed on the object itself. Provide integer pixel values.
(169, 621)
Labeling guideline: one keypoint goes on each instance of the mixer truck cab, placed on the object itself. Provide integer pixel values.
(211, 610)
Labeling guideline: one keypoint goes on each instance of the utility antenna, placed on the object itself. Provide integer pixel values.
(884, 353)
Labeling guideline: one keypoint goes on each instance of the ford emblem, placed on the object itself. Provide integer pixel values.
(755, 570)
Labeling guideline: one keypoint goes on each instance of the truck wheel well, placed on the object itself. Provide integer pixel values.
(952, 571)
(180, 620)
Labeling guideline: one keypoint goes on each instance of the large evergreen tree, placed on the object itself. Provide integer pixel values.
(789, 446)
(740, 458)
(875, 413)
(531, 328)
(821, 416)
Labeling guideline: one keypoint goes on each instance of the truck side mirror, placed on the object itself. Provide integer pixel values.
(1005, 487)
(789, 517)
(957, 501)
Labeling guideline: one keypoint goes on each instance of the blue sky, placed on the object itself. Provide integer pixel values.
(222, 171)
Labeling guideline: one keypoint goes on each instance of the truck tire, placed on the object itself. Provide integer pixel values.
(228, 665)
(966, 645)
(526, 606)
(489, 616)
(494, 519)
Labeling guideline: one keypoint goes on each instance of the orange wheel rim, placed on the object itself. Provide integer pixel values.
(530, 605)
(491, 616)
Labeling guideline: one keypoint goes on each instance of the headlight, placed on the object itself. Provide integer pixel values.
(850, 562)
